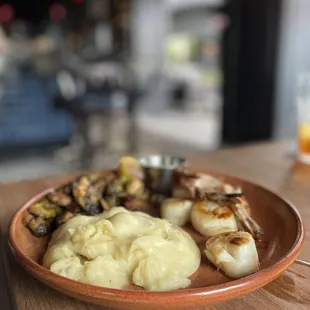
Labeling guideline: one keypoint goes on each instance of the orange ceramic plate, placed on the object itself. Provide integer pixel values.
(283, 240)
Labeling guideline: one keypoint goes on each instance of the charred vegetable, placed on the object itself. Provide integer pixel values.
(129, 167)
(107, 178)
(87, 196)
(90, 194)
(99, 186)
(66, 189)
(44, 209)
(39, 226)
(117, 187)
(59, 198)
(135, 187)
(27, 218)
(93, 177)
(63, 218)
(74, 208)
(113, 201)
(134, 204)
(105, 205)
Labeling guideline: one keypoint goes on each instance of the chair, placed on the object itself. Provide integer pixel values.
(86, 90)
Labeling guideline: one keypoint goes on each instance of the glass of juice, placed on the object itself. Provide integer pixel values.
(303, 113)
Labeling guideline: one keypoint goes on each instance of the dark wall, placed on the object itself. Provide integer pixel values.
(249, 64)
(34, 11)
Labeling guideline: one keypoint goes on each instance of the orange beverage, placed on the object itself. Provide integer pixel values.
(303, 114)
(304, 142)
(304, 139)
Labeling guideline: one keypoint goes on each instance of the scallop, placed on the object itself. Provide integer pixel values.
(234, 253)
(176, 211)
(210, 218)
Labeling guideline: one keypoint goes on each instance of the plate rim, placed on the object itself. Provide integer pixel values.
(224, 291)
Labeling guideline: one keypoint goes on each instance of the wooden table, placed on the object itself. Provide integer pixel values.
(266, 163)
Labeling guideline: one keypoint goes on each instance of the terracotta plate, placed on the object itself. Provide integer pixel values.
(284, 236)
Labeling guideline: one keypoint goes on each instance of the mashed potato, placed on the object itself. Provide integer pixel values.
(118, 248)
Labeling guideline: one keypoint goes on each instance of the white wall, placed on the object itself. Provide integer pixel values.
(150, 24)
(183, 4)
(195, 21)
(293, 57)
(149, 29)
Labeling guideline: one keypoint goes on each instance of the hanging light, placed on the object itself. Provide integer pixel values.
(57, 12)
(6, 13)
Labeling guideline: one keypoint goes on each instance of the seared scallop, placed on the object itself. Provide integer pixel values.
(210, 218)
(234, 253)
(177, 211)
(218, 205)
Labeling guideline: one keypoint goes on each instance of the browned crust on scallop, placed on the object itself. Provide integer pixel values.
(221, 212)
(238, 240)
(232, 237)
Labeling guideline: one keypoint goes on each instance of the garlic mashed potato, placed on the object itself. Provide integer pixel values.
(119, 248)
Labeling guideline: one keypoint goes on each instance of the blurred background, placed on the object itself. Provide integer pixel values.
(83, 82)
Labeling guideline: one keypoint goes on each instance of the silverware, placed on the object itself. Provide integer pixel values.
(7, 298)
(159, 171)
(302, 262)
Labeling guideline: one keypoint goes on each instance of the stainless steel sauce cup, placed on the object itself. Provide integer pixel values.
(159, 171)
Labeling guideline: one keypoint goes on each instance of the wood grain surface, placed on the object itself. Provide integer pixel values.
(267, 164)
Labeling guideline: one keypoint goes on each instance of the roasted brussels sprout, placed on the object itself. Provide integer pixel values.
(112, 201)
(80, 188)
(105, 205)
(39, 226)
(117, 187)
(44, 209)
(66, 189)
(129, 167)
(134, 204)
(74, 208)
(87, 196)
(27, 218)
(93, 177)
(81, 192)
(91, 194)
(94, 209)
(63, 218)
(59, 198)
(99, 186)
(108, 177)
(134, 187)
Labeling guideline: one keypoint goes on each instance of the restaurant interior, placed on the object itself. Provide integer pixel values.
(166, 107)
(83, 82)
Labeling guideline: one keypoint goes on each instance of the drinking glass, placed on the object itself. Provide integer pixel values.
(303, 117)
